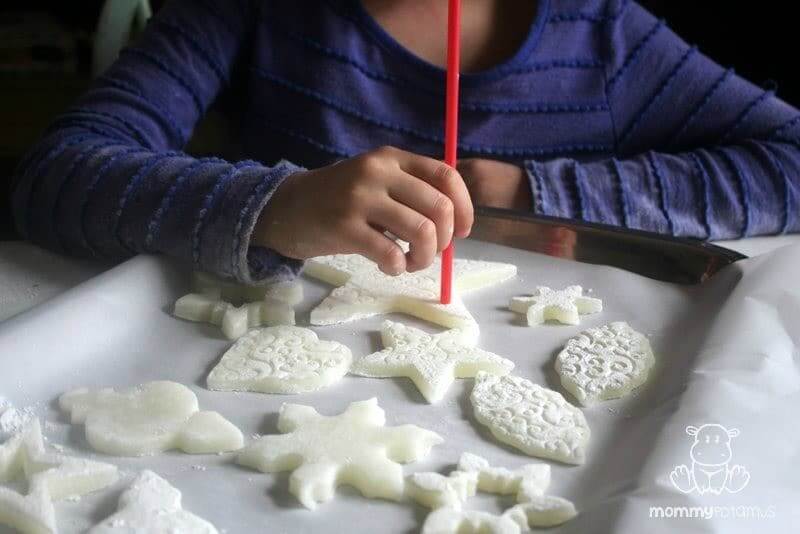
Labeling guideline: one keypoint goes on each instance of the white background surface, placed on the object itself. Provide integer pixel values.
(726, 354)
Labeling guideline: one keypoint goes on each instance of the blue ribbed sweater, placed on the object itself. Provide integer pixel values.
(613, 116)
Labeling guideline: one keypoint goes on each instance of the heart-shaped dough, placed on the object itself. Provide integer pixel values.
(280, 359)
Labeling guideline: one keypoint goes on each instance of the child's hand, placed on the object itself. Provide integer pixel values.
(496, 184)
(345, 208)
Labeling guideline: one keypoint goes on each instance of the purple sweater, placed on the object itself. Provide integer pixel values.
(614, 117)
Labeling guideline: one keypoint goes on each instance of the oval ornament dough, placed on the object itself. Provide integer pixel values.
(535, 420)
(605, 363)
(280, 359)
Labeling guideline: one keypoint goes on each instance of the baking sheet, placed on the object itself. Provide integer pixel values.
(726, 351)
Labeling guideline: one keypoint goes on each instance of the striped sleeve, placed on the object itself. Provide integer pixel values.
(109, 178)
(700, 151)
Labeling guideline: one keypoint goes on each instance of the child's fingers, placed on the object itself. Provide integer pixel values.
(428, 201)
(447, 180)
(409, 225)
(373, 244)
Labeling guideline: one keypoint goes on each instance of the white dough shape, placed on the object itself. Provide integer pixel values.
(436, 491)
(527, 482)
(542, 511)
(432, 362)
(213, 298)
(456, 521)
(365, 291)
(565, 305)
(150, 418)
(280, 359)
(605, 363)
(49, 477)
(354, 448)
(535, 420)
(151, 505)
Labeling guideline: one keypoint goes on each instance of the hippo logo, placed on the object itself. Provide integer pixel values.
(711, 470)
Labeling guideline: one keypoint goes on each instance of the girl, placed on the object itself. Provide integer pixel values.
(588, 109)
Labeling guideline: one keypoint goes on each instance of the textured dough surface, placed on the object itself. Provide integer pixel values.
(353, 448)
(535, 420)
(364, 291)
(431, 361)
(605, 363)
(280, 359)
(527, 482)
(262, 305)
(149, 418)
(152, 506)
(565, 305)
(49, 477)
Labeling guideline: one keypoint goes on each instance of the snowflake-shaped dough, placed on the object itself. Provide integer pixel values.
(448, 494)
(365, 291)
(536, 420)
(50, 477)
(605, 363)
(457, 521)
(213, 298)
(432, 362)
(354, 448)
(149, 505)
(527, 482)
(150, 418)
(433, 490)
(564, 306)
(280, 359)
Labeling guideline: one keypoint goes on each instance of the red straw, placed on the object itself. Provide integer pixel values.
(451, 127)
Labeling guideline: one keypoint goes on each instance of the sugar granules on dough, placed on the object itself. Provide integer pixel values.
(13, 420)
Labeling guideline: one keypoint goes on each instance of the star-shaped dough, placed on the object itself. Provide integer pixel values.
(564, 306)
(365, 291)
(151, 504)
(212, 302)
(354, 448)
(50, 477)
(432, 362)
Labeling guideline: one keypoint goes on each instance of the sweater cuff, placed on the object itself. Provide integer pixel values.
(553, 194)
(230, 252)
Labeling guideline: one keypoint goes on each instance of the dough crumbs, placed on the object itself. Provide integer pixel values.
(564, 306)
(280, 359)
(432, 362)
(50, 477)
(364, 291)
(263, 305)
(535, 420)
(150, 505)
(353, 448)
(147, 419)
(604, 363)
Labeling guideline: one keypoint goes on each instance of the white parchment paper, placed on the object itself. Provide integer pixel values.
(726, 351)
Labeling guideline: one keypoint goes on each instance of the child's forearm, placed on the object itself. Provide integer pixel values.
(108, 178)
(699, 151)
